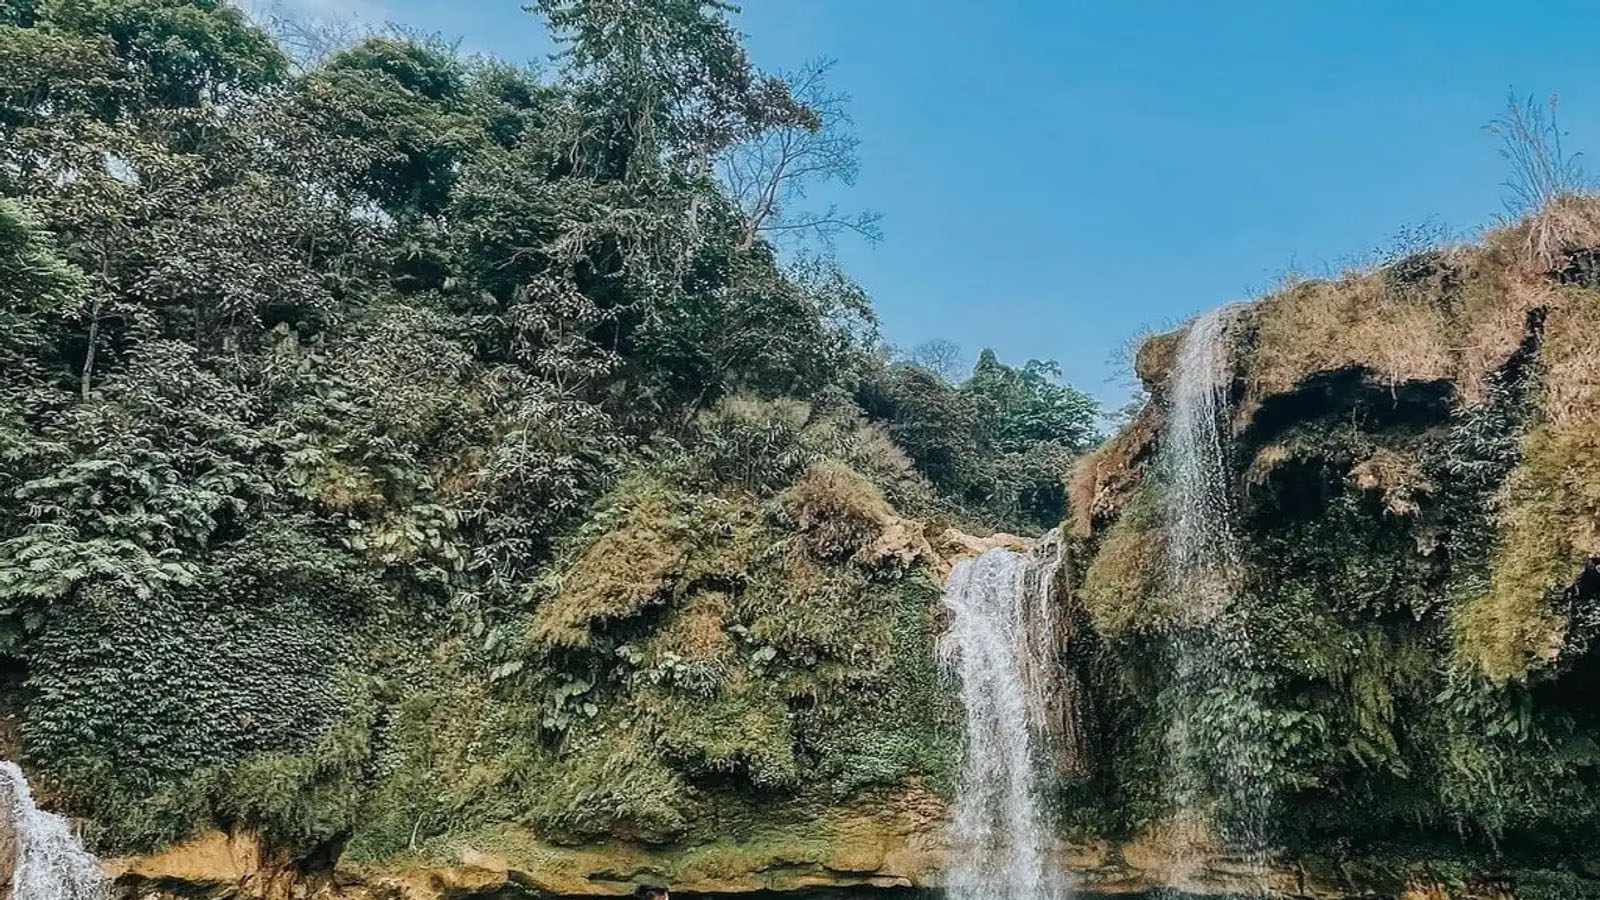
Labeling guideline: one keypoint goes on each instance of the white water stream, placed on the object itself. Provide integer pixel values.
(1214, 744)
(1002, 644)
(1202, 548)
(51, 863)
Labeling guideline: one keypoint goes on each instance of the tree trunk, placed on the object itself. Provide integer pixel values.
(88, 357)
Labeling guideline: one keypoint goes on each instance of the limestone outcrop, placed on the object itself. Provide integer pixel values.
(878, 854)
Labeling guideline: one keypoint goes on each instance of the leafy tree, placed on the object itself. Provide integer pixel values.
(310, 380)
(1028, 406)
(668, 78)
(396, 106)
(999, 443)
(178, 53)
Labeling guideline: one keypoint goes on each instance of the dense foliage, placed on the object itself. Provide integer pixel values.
(403, 441)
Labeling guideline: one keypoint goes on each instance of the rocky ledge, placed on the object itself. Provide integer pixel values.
(892, 849)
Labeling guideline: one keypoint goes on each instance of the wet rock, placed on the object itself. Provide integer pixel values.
(953, 546)
(8, 840)
(890, 850)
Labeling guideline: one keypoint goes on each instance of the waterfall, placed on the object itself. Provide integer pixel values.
(1219, 755)
(1202, 549)
(1002, 644)
(51, 863)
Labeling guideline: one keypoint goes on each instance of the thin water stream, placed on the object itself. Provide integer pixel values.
(1202, 548)
(1217, 756)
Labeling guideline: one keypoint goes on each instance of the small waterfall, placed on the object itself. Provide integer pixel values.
(1220, 754)
(1002, 644)
(1202, 549)
(51, 863)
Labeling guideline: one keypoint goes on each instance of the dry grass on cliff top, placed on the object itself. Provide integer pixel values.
(1454, 314)
(1457, 314)
(1359, 319)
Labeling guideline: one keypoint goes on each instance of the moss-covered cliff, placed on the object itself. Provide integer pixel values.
(1411, 453)
(697, 663)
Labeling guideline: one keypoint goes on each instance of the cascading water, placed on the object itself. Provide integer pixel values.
(1214, 742)
(1202, 550)
(51, 863)
(1002, 644)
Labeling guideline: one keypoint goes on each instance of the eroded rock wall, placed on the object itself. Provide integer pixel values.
(1411, 462)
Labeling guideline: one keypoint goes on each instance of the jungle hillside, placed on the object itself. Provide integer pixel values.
(395, 442)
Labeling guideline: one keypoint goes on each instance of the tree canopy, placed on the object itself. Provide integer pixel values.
(299, 353)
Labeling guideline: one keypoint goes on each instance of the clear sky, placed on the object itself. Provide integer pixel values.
(1056, 175)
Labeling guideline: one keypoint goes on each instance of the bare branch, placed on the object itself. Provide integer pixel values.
(769, 174)
(943, 357)
(309, 38)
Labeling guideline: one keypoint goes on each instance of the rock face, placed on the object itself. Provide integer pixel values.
(1408, 465)
(892, 847)
(874, 854)
(8, 840)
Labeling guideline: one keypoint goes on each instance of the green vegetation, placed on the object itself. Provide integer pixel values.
(402, 447)
(1413, 461)
(402, 443)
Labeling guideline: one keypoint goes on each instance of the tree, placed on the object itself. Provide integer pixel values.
(1028, 406)
(179, 53)
(998, 445)
(668, 80)
(394, 110)
(770, 173)
(940, 356)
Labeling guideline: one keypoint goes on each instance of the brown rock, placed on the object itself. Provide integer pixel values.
(1154, 358)
(894, 842)
(213, 866)
(901, 546)
(953, 546)
(8, 840)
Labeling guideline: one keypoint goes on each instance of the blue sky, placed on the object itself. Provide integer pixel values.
(1056, 175)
